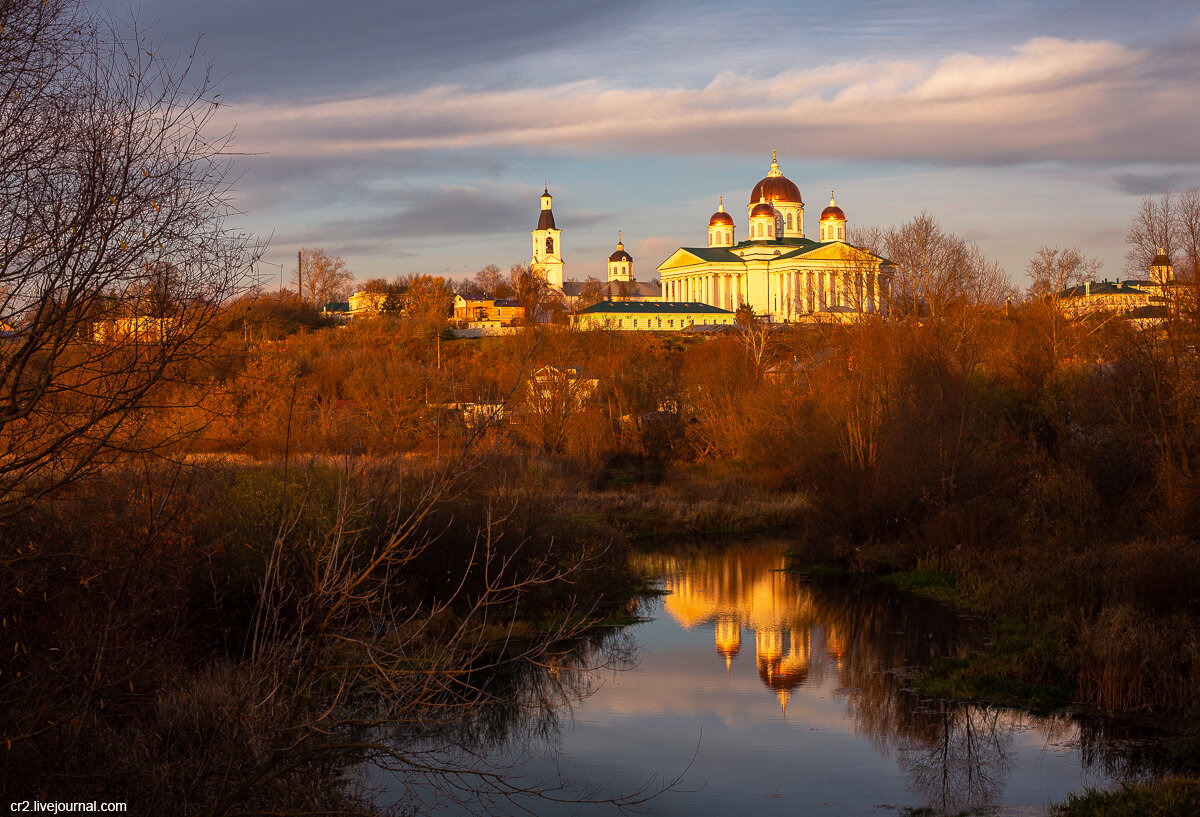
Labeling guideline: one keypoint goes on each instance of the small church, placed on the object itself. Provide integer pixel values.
(622, 283)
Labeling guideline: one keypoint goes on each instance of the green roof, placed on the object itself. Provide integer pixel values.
(653, 308)
(805, 244)
(714, 254)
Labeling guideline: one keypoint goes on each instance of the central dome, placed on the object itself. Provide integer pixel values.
(776, 187)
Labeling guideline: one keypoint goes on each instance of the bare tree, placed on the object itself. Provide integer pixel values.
(1151, 228)
(114, 208)
(1052, 270)
(531, 290)
(1187, 237)
(321, 277)
(937, 272)
(490, 281)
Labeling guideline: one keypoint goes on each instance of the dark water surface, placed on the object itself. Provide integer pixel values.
(772, 694)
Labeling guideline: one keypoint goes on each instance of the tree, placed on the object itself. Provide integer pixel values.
(593, 292)
(490, 282)
(1052, 270)
(115, 201)
(1170, 223)
(530, 288)
(428, 301)
(322, 278)
(937, 272)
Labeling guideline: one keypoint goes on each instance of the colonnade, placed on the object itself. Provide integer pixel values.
(720, 289)
(789, 293)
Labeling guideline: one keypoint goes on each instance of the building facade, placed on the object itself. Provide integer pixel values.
(776, 270)
(650, 316)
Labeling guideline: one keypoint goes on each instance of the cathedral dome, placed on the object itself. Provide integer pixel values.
(620, 255)
(776, 187)
(720, 217)
(763, 209)
(832, 211)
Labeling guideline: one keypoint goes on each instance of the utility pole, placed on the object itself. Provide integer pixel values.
(300, 273)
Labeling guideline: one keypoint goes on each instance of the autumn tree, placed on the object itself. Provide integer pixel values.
(938, 272)
(531, 289)
(115, 211)
(322, 278)
(428, 301)
(490, 282)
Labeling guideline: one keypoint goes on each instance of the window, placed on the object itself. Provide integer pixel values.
(635, 323)
(789, 221)
(620, 323)
(549, 244)
(670, 323)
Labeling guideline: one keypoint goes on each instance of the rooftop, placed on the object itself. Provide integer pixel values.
(653, 308)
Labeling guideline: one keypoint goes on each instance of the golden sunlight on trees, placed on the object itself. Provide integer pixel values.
(938, 273)
(115, 249)
(1170, 223)
(322, 278)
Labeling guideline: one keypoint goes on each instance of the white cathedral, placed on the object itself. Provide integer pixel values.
(777, 271)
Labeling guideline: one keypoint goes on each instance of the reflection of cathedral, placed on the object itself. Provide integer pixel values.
(751, 591)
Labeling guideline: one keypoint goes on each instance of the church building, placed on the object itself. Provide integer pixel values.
(547, 258)
(779, 272)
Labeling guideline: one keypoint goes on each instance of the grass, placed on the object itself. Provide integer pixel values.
(930, 583)
(1016, 669)
(1174, 797)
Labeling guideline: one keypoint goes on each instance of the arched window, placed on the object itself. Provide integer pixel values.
(728, 239)
(789, 221)
(550, 244)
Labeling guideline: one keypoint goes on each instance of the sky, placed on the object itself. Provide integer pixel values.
(415, 138)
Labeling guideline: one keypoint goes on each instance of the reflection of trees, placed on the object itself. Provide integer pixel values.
(438, 757)
(962, 764)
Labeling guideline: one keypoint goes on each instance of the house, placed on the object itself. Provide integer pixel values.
(134, 327)
(487, 312)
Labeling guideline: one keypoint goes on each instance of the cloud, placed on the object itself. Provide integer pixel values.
(1148, 184)
(1049, 99)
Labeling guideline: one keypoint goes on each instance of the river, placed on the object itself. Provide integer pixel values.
(748, 688)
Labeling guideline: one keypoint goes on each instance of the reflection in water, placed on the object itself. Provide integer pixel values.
(776, 693)
(863, 641)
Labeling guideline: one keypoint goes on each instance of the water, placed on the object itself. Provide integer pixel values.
(754, 689)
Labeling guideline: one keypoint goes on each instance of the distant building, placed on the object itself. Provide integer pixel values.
(1142, 301)
(365, 304)
(650, 316)
(134, 327)
(488, 311)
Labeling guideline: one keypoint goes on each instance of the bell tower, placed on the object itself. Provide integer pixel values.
(547, 244)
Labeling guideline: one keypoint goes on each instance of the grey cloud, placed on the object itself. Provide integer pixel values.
(444, 212)
(1149, 184)
(279, 47)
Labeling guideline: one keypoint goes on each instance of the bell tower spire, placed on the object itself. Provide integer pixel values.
(547, 243)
